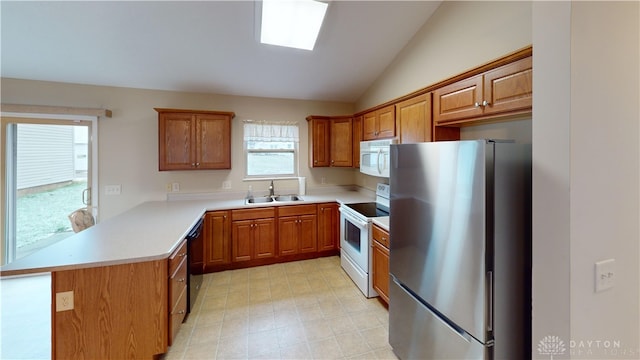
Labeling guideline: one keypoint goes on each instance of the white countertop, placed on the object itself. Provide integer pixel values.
(382, 221)
(149, 231)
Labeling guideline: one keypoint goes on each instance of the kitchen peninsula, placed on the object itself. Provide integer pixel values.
(119, 274)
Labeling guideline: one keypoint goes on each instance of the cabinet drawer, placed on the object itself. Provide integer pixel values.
(177, 257)
(293, 210)
(250, 214)
(381, 236)
(177, 284)
(176, 317)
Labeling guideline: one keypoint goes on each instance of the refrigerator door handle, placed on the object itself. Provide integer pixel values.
(490, 300)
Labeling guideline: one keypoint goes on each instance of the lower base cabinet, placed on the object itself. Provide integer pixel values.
(256, 236)
(217, 239)
(328, 227)
(380, 261)
(253, 234)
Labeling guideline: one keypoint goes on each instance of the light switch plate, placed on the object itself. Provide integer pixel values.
(604, 274)
(175, 187)
(112, 189)
(64, 301)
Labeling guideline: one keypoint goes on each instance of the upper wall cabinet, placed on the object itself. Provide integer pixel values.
(342, 142)
(413, 118)
(330, 141)
(504, 91)
(319, 141)
(357, 137)
(379, 124)
(194, 139)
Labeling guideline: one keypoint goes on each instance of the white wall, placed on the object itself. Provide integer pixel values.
(586, 176)
(551, 173)
(128, 142)
(605, 180)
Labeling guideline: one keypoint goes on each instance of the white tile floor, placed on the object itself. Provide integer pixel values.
(299, 310)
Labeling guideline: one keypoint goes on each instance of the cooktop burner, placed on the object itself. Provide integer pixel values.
(370, 209)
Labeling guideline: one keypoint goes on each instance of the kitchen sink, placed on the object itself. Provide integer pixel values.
(288, 198)
(259, 200)
(269, 199)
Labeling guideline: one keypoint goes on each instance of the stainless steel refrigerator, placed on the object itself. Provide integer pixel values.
(460, 261)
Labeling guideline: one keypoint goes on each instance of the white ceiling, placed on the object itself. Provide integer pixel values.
(203, 46)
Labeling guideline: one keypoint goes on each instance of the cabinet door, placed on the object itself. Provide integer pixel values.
(177, 149)
(307, 233)
(288, 235)
(414, 119)
(341, 142)
(242, 240)
(319, 140)
(328, 226)
(264, 241)
(369, 126)
(214, 140)
(357, 137)
(509, 87)
(217, 238)
(381, 270)
(458, 100)
(386, 122)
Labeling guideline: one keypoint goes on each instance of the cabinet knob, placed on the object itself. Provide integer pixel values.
(476, 104)
(197, 164)
(181, 280)
(485, 103)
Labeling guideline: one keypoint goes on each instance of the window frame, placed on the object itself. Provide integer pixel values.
(295, 151)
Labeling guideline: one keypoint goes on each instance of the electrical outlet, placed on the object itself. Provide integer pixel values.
(112, 189)
(323, 180)
(604, 274)
(226, 184)
(64, 301)
(175, 187)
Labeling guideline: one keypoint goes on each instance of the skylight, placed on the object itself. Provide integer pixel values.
(292, 23)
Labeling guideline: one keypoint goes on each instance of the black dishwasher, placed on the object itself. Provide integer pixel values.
(195, 265)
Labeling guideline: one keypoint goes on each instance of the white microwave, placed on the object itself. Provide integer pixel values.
(374, 157)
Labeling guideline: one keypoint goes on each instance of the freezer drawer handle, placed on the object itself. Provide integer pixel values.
(448, 323)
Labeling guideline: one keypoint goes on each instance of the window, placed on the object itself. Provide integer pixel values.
(271, 149)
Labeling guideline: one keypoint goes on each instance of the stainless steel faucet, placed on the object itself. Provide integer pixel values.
(271, 190)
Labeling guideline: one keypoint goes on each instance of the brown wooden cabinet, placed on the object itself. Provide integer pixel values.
(413, 118)
(330, 141)
(319, 142)
(217, 239)
(380, 262)
(193, 139)
(328, 226)
(379, 124)
(357, 137)
(297, 229)
(253, 233)
(342, 142)
(504, 91)
(177, 290)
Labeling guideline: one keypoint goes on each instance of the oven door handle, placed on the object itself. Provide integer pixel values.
(359, 223)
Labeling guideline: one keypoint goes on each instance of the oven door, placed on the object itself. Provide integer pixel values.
(354, 238)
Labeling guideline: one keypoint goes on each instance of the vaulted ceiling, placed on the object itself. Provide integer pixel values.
(203, 46)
